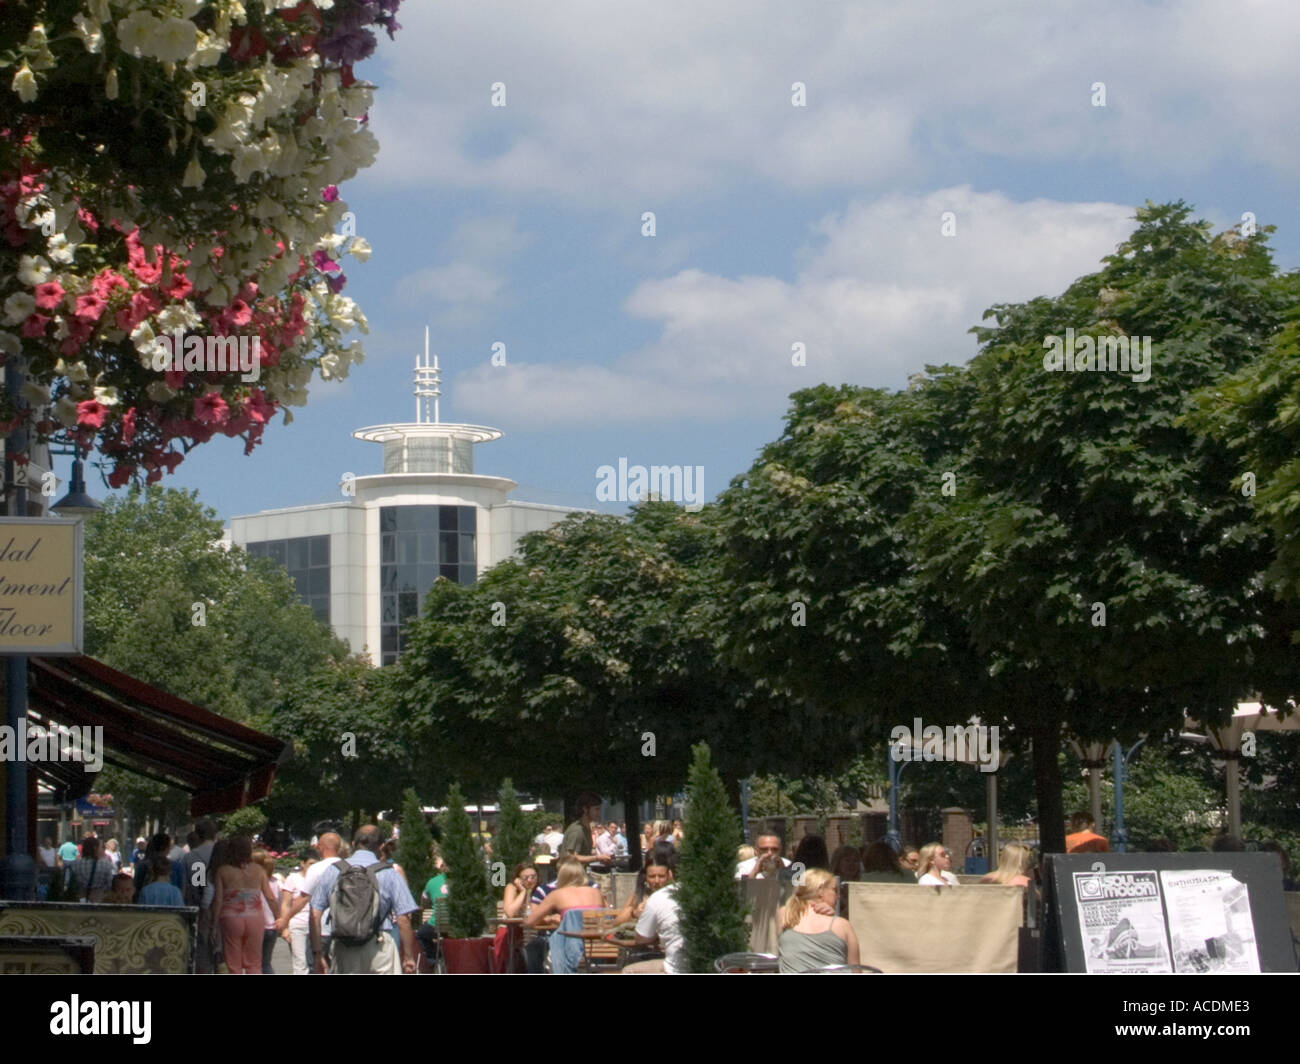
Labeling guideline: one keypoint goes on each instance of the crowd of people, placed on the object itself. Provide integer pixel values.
(349, 909)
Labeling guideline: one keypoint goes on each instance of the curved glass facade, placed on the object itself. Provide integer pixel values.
(428, 454)
(417, 545)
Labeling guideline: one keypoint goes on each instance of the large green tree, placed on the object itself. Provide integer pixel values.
(1256, 412)
(167, 603)
(350, 748)
(1106, 572)
(588, 660)
(948, 543)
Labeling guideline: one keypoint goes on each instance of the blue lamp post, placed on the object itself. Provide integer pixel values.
(896, 766)
(1121, 774)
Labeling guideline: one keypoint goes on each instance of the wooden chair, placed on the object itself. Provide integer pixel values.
(601, 955)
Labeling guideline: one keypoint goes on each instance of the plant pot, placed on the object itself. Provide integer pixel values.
(468, 956)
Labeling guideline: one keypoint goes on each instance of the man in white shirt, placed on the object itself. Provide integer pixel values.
(767, 854)
(330, 844)
(607, 843)
(660, 919)
(554, 839)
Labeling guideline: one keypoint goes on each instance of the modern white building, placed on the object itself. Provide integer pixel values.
(364, 563)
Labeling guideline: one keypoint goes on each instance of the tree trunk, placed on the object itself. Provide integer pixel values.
(1046, 735)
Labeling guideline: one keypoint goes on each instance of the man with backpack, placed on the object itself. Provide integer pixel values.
(366, 898)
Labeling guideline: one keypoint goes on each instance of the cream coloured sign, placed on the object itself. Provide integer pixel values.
(40, 586)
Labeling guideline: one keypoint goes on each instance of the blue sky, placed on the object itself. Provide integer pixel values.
(775, 224)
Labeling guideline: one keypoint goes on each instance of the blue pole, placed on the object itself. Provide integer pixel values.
(893, 836)
(1121, 834)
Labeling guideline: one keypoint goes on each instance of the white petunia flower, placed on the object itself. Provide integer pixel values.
(136, 33)
(35, 393)
(33, 270)
(195, 175)
(106, 395)
(66, 411)
(19, 307)
(24, 84)
(359, 249)
(59, 250)
(90, 33)
(10, 344)
(174, 40)
(178, 316)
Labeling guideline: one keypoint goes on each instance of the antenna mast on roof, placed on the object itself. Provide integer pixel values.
(427, 379)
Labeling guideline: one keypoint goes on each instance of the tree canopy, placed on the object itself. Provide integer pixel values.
(587, 659)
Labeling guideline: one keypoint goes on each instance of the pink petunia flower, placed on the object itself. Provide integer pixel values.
(128, 427)
(330, 193)
(323, 262)
(90, 307)
(91, 414)
(35, 325)
(49, 294)
(258, 408)
(211, 408)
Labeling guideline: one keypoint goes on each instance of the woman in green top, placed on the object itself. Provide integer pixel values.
(435, 890)
(810, 941)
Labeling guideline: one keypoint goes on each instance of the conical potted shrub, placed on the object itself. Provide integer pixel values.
(712, 917)
(469, 897)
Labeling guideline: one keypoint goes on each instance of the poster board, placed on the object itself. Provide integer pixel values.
(1173, 913)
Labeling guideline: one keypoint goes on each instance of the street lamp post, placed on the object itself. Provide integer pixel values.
(1121, 774)
(18, 871)
(896, 766)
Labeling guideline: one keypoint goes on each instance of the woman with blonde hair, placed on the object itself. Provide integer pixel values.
(810, 941)
(569, 898)
(1013, 866)
(932, 869)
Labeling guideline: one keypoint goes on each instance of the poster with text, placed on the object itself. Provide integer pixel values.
(1122, 922)
(1210, 925)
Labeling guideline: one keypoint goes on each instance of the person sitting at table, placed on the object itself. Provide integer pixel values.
(522, 883)
(660, 919)
(655, 875)
(880, 864)
(810, 940)
(508, 942)
(569, 898)
(1013, 866)
(934, 867)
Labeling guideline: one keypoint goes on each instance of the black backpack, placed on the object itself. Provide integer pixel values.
(354, 902)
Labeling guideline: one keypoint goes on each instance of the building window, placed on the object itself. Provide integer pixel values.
(417, 545)
(307, 561)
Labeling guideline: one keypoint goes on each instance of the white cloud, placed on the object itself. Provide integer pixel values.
(877, 294)
(459, 283)
(621, 106)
